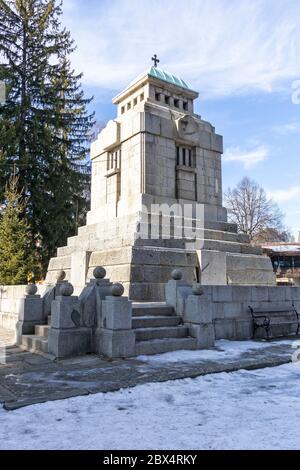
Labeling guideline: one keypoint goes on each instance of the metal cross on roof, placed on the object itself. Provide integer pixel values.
(155, 60)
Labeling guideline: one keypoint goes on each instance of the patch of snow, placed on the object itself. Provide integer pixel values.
(257, 409)
(224, 349)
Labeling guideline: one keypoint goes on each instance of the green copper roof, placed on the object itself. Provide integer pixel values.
(166, 77)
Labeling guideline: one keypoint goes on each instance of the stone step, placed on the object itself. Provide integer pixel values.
(167, 243)
(158, 346)
(65, 250)
(35, 343)
(230, 247)
(42, 330)
(152, 309)
(146, 334)
(155, 321)
(222, 226)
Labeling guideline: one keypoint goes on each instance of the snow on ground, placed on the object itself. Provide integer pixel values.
(257, 409)
(224, 349)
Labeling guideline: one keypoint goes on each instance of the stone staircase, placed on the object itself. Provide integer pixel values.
(156, 326)
(157, 329)
(39, 341)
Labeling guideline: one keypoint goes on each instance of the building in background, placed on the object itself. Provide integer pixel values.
(285, 259)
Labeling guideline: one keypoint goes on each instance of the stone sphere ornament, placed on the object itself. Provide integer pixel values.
(197, 289)
(31, 289)
(66, 289)
(60, 276)
(99, 272)
(176, 274)
(117, 290)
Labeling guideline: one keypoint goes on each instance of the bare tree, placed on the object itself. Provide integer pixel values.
(250, 208)
(271, 235)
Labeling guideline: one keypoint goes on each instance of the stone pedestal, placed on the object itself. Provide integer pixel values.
(31, 314)
(68, 336)
(198, 315)
(176, 293)
(116, 338)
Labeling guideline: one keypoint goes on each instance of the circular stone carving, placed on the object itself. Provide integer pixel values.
(197, 289)
(117, 289)
(99, 272)
(60, 276)
(176, 274)
(66, 289)
(31, 289)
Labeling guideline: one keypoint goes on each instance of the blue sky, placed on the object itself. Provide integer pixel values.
(243, 56)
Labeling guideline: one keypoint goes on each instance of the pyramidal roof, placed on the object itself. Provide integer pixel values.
(167, 77)
(161, 74)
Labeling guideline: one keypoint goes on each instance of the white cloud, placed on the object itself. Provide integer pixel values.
(219, 47)
(285, 195)
(249, 158)
(288, 128)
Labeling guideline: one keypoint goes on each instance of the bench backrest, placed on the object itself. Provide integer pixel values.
(255, 312)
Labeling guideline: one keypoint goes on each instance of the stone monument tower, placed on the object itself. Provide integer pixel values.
(156, 152)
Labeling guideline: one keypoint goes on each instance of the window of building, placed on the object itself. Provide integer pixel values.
(128, 106)
(184, 156)
(113, 159)
(167, 99)
(157, 96)
(135, 102)
(185, 105)
(142, 97)
(123, 110)
(176, 103)
(190, 157)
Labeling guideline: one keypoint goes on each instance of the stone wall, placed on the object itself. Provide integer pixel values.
(231, 317)
(11, 304)
(227, 306)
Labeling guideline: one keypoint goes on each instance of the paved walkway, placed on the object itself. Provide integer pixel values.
(28, 378)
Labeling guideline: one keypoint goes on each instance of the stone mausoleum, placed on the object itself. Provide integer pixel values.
(158, 233)
(158, 151)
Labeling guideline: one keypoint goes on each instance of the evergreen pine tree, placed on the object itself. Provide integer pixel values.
(45, 124)
(15, 259)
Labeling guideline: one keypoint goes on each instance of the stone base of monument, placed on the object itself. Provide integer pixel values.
(216, 253)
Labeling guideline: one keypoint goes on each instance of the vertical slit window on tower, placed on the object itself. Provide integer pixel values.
(185, 105)
(184, 156)
(176, 103)
(167, 99)
(177, 156)
(157, 96)
(113, 160)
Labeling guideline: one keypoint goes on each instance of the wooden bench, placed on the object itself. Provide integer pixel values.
(266, 318)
